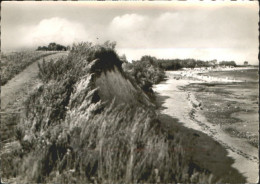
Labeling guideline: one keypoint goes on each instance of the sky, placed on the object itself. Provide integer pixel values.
(201, 30)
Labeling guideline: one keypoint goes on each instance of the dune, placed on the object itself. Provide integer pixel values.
(89, 123)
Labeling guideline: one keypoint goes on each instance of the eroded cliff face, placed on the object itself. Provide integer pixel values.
(115, 133)
(100, 128)
(114, 85)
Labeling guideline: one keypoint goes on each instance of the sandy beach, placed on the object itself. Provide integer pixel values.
(192, 111)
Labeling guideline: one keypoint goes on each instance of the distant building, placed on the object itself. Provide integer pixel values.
(246, 63)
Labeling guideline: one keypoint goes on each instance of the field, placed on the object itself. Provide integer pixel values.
(13, 63)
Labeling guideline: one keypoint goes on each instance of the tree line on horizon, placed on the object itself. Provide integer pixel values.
(166, 64)
(176, 64)
(53, 47)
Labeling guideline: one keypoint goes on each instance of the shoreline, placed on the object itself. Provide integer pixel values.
(199, 74)
(184, 106)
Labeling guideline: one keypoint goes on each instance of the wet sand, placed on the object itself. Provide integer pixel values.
(183, 105)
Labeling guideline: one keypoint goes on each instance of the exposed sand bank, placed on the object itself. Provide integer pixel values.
(184, 106)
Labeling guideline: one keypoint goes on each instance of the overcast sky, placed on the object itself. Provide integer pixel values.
(202, 30)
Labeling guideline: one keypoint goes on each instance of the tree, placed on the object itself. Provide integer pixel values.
(150, 59)
(228, 63)
(246, 63)
(39, 48)
(52, 46)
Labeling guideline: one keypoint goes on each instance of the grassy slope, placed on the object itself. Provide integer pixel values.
(78, 128)
(14, 63)
(12, 95)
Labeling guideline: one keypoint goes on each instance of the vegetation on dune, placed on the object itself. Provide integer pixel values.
(145, 72)
(14, 63)
(86, 124)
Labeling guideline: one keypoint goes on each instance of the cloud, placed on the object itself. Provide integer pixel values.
(128, 28)
(167, 30)
(136, 30)
(129, 21)
(54, 29)
(208, 35)
(222, 32)
(185, 30)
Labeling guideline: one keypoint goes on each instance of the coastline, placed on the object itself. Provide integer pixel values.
(184, 105)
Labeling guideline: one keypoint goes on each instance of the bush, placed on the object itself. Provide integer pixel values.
(145, 72)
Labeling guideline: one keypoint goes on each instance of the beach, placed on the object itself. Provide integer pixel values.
(221, 103)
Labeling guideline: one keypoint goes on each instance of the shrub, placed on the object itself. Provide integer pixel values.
(145, 72)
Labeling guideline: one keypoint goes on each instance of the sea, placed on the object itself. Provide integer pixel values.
(245, 75)
(235, 105)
